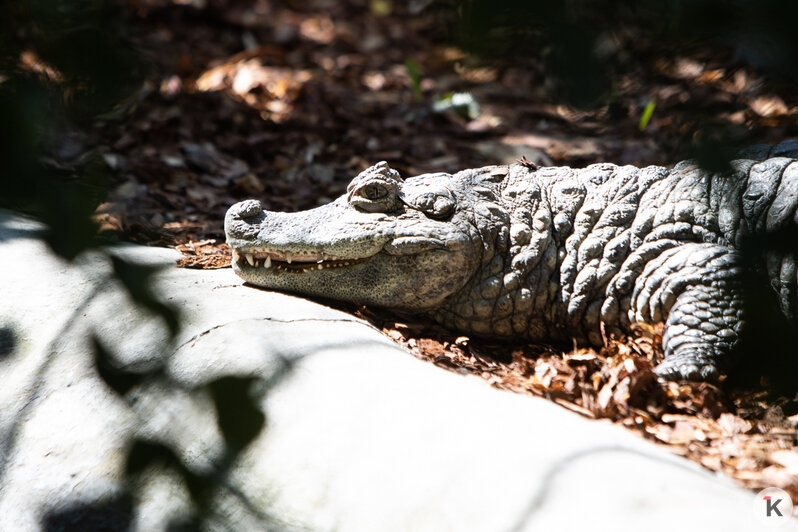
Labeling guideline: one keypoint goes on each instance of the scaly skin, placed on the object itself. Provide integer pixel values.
(548, 254)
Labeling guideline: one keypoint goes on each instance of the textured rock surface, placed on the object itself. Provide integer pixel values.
(359, 437)
(544, 253)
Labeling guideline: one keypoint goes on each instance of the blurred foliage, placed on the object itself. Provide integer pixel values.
(112, 513)
(237, 414)
(87, 64)
(240, 421)
(8, 341)
(62, 63)
(381, 8)
(65, 64)
(137, 280)
(239, 418)
(119, 380)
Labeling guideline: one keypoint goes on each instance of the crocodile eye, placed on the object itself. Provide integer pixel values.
(374, 191)
(374, 196)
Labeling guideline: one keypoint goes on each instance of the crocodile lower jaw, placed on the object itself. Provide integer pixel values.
(297, 262)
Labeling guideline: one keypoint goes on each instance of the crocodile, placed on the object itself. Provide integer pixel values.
(551, 254)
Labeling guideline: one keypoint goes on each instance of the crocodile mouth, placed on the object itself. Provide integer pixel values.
(291, 262)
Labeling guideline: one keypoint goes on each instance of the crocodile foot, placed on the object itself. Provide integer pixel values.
(690, 366)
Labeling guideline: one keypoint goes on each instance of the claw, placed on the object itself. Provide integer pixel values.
(674, 371)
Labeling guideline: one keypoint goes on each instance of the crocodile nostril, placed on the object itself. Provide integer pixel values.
(248, 208)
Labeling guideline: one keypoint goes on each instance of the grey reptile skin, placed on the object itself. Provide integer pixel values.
(543, 254)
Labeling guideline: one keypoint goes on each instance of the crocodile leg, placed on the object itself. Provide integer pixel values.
(696, 289)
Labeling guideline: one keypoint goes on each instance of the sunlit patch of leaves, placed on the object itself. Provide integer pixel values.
(462, 104)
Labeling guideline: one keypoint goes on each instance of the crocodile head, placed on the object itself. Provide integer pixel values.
(387, 242)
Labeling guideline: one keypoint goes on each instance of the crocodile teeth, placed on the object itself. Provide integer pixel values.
(293, 261)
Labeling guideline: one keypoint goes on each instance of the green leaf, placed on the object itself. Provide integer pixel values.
(415, 77)
(646, 116)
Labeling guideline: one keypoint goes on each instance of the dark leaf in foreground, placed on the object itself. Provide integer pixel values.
(114, 514)
(117, 379)
(137, 279)
(8, 342)
(145, 454)
(238, 415)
